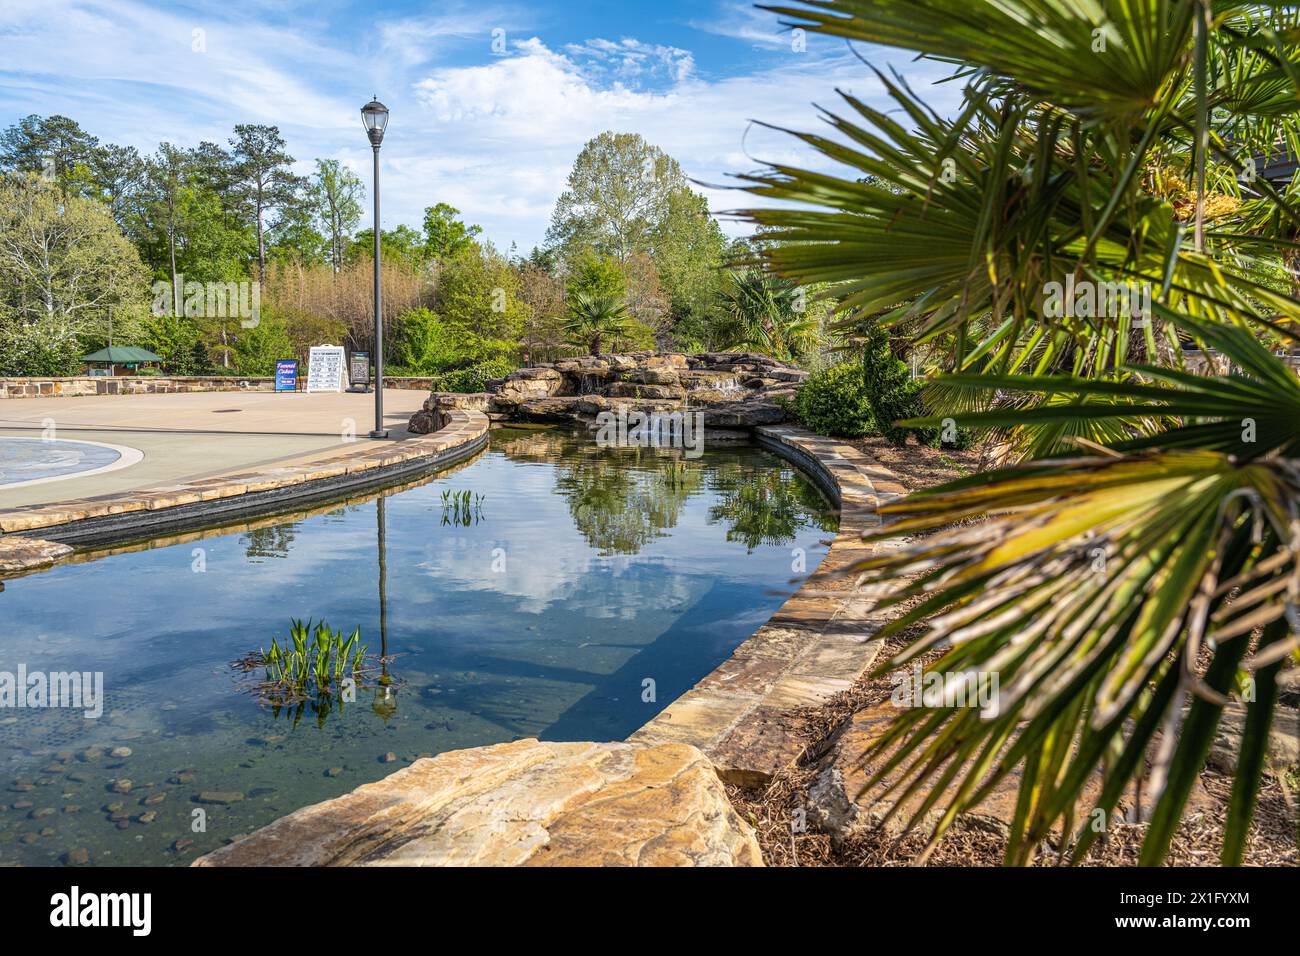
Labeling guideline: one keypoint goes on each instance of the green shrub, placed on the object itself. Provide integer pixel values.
(429, 345)
(895, 396)
(868, 397)
(892, 393)
(40, 348)
(257, 349)
(834, 402)
(472, 379)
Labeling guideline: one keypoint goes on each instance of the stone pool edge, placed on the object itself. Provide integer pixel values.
(36, 536)
(817, 644)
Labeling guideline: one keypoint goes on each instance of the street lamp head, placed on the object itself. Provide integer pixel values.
(375, 116)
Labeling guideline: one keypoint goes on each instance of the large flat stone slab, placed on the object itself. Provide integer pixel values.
(524, 803)
(26, 554)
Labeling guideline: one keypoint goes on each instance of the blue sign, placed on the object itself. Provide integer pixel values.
(286, 375)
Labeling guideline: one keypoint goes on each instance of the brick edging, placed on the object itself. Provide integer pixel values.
(820, 641)
(145, 511)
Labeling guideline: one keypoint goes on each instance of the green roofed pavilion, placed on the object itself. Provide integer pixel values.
(122, 355)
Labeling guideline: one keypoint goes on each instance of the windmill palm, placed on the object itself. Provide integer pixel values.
(768, 314)
(1135, 571)
(594, 319)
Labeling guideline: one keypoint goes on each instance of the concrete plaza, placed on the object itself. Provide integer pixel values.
(198, 434)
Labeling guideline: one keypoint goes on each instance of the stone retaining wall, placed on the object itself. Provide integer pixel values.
(163, 385)
(128, 385)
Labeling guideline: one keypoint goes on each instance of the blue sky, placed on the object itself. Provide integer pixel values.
(490, 101)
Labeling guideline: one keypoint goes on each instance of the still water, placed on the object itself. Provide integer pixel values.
(542, 604)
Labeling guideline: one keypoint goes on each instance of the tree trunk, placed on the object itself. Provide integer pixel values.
(176, 293)
(261, 248)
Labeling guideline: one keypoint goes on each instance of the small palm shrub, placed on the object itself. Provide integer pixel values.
(1134, 572)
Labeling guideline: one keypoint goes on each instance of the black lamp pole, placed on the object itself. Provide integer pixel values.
(375, 116)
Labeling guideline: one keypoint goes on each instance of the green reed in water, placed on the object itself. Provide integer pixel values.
(462, 508)
(314, 662)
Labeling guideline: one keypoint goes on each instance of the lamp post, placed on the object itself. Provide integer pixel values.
(375, 117)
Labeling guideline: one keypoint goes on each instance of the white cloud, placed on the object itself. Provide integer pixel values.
(493, 135)
(745, 22)
(524, 118)
(633, 62)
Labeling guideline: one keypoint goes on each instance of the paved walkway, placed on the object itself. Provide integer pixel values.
(198, 434)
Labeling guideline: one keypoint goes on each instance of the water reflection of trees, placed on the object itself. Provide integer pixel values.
(271, 542)
(620, 503)
(767, 506)
(620, 499)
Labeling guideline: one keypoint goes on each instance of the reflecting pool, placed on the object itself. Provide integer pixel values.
(547, 588)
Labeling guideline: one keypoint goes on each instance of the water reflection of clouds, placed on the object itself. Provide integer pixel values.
(616, 587)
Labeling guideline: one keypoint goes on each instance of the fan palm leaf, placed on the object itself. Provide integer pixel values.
(1121, 595)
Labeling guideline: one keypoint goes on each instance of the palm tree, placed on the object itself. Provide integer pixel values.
(764, 312)
(594, 319)
(1132, 570)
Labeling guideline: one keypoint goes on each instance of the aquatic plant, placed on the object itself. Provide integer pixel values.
(312, 663)
(462, 508)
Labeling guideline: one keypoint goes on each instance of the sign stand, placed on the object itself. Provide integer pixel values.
(359, 372)
(326, 371)
(286, 375)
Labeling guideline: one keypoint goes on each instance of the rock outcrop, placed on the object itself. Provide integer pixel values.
(27, 554)
(524, 803)
(731, 389)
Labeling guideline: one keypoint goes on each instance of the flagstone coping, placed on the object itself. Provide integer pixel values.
(815, 646)
(146, 510)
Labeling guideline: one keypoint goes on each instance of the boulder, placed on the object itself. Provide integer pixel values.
(536, 373)
(524, 803)
(1283, 740)
(528, 384)
(653, 376)
(743, 414)
(707, 379)
(425, 421)
(665, 360)
(466, 401)
(24, 554)
(555, 409)
(593, 404)
(633, 390)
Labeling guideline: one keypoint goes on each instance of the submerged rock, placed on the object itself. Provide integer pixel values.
(220, 796)
(524, 803)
